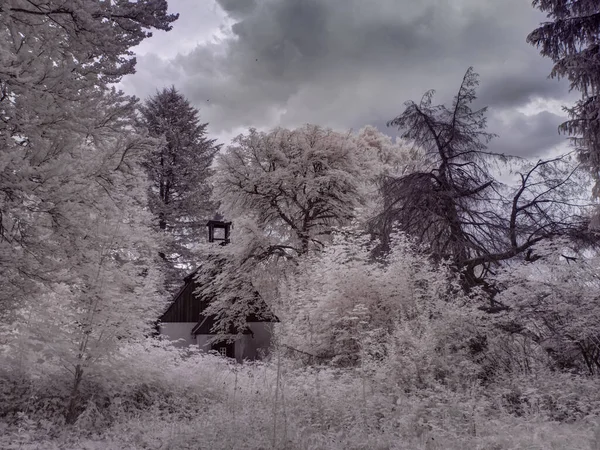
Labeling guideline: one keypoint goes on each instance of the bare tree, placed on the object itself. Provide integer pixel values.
(547, 203)
(456, 208)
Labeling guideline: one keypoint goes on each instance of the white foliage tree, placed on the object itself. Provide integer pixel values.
(56, 59)
(554, 304)
(84, 241)
(288, 190)
(341, 307)
(75, 246)
(296, 184)
(228, 285)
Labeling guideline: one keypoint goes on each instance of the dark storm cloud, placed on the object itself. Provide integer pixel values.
(347, 63)
(237, 8)
(518, 134)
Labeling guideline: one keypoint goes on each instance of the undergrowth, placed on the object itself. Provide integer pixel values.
(156, 397)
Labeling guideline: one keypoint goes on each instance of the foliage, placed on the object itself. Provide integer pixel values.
(342, 307)
(287, 191)
(226, 284)
(570, 39)
(554, 303)
(440, 200)
(75, 243)
(178, 170)
(386, 352)
(63, 129)
(296, 184)
(202, 401)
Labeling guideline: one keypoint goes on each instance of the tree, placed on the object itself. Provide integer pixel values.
(548, 202)
(102, 289)
(437, 204)
(554, 303)
(178, 170)
(227, 283)
(455, 207)
(82, 40)
(343, 308)
(296, 184)
(75, 245)
(287, 190)
(572, 40)
(80, 240)
(56, 60)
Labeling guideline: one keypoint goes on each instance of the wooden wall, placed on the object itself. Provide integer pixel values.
(186, 307)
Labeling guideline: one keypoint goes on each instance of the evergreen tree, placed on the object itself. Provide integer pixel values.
(178, 170)
(572, 40)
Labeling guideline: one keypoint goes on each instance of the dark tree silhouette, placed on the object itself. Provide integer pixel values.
(457, 209)
(572, 40)
(178, 168)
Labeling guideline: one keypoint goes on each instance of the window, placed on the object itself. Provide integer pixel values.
(225, 349)
(219, 233)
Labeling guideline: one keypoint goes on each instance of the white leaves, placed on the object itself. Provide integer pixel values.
(340, 303)
(299, 184)
(555, 301)
(76, 252)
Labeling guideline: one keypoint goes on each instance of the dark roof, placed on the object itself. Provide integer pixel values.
(177, 295)
(188, 307)
(190, 276)
(206, 323)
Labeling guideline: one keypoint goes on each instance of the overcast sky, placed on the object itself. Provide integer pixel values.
(349, 63)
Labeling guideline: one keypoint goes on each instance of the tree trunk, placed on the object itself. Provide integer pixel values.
(71, 412)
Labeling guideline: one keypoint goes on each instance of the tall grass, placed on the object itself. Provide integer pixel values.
(156, 397)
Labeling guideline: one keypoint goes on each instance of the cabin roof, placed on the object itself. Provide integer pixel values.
(188, 307)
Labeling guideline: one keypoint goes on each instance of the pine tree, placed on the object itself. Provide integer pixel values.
(572, 40)
(436, 205)
(178, 170)
(455, 207)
